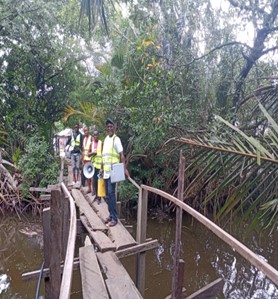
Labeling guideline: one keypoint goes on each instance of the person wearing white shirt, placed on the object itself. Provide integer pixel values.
(112, 153)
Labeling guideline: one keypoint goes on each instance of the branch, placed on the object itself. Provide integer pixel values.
(215, 49)
(244, 6)
(216, 148)
(269, 50)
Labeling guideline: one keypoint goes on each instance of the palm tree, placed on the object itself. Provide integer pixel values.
(236, 173)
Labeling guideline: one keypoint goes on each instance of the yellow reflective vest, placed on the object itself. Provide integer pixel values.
(109, 155)
(86, 146)
(75, 142)
(97, 160)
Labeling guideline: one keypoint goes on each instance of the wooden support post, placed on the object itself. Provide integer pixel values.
(141, 238)
(56, 219)
(46, 246)
(176, 288)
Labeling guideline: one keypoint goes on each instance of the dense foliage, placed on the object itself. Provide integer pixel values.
(162, 70)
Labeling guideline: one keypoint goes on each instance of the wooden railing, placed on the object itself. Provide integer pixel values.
(68, 265)
(244, 251)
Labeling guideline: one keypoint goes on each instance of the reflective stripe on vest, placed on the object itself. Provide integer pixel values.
(86, 147)
(97, 160)
(75, 142)
(110, 156)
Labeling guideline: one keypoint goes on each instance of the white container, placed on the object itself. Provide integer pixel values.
(117, 173)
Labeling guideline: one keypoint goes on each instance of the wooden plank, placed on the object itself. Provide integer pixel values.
(35, 274)
(120, 236)
(118, 282)
(100, 238)
(66, 225)
(46, 248)
(37, 189)
(176, 280)
(93, 286)
(86, 209)
(137, 248)
(249, 255)
(44, 197)
(54, 187)
(209, 290)
(55, 244)
(70, 176)
(141, 238)
(100, 209)
(68, 268)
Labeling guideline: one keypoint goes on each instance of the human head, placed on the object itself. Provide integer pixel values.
(96, 134)
(110, 127)
(86, 131)
(76, 127)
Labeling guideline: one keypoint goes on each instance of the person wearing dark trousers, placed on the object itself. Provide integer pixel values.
(75, 141)
(112, 153)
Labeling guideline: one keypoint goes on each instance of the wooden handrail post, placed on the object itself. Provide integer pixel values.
(46, 248)
(55, 243)
(177, 287)
(141, 238)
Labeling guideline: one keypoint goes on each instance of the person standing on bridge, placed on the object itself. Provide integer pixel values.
(96, 158)
(112, 153)
(87, 144)
(75, 141)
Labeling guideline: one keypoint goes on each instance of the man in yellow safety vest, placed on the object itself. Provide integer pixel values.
(112, 153)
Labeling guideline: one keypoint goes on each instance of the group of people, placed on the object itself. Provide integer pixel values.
(102, 155)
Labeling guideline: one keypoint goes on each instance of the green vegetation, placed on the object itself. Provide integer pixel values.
(164, 71)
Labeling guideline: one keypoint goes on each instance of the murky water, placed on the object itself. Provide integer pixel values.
(206, 259)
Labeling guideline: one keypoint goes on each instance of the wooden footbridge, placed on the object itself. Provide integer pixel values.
(73, 212)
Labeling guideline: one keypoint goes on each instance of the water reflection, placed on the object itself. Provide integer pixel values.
(206, 259)
(19, 252)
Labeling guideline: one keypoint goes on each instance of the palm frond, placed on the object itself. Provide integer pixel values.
(95, 11)
(236, 172)
(87, 110)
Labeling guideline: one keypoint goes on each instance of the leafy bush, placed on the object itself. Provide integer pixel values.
(38, 166)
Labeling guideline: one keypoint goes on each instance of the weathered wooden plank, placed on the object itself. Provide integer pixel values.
(70, 177)
(87, 210)
(66, 225)
(35, 274)
(137, 248)
(100, 209)
(37, 189)
(44, 197)
(118, 282)
(68, 267)
(99, 237)
(55, 244)
(118, 234)
(93, 286)
(249, 255)
(208, 291)
(141, 238)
